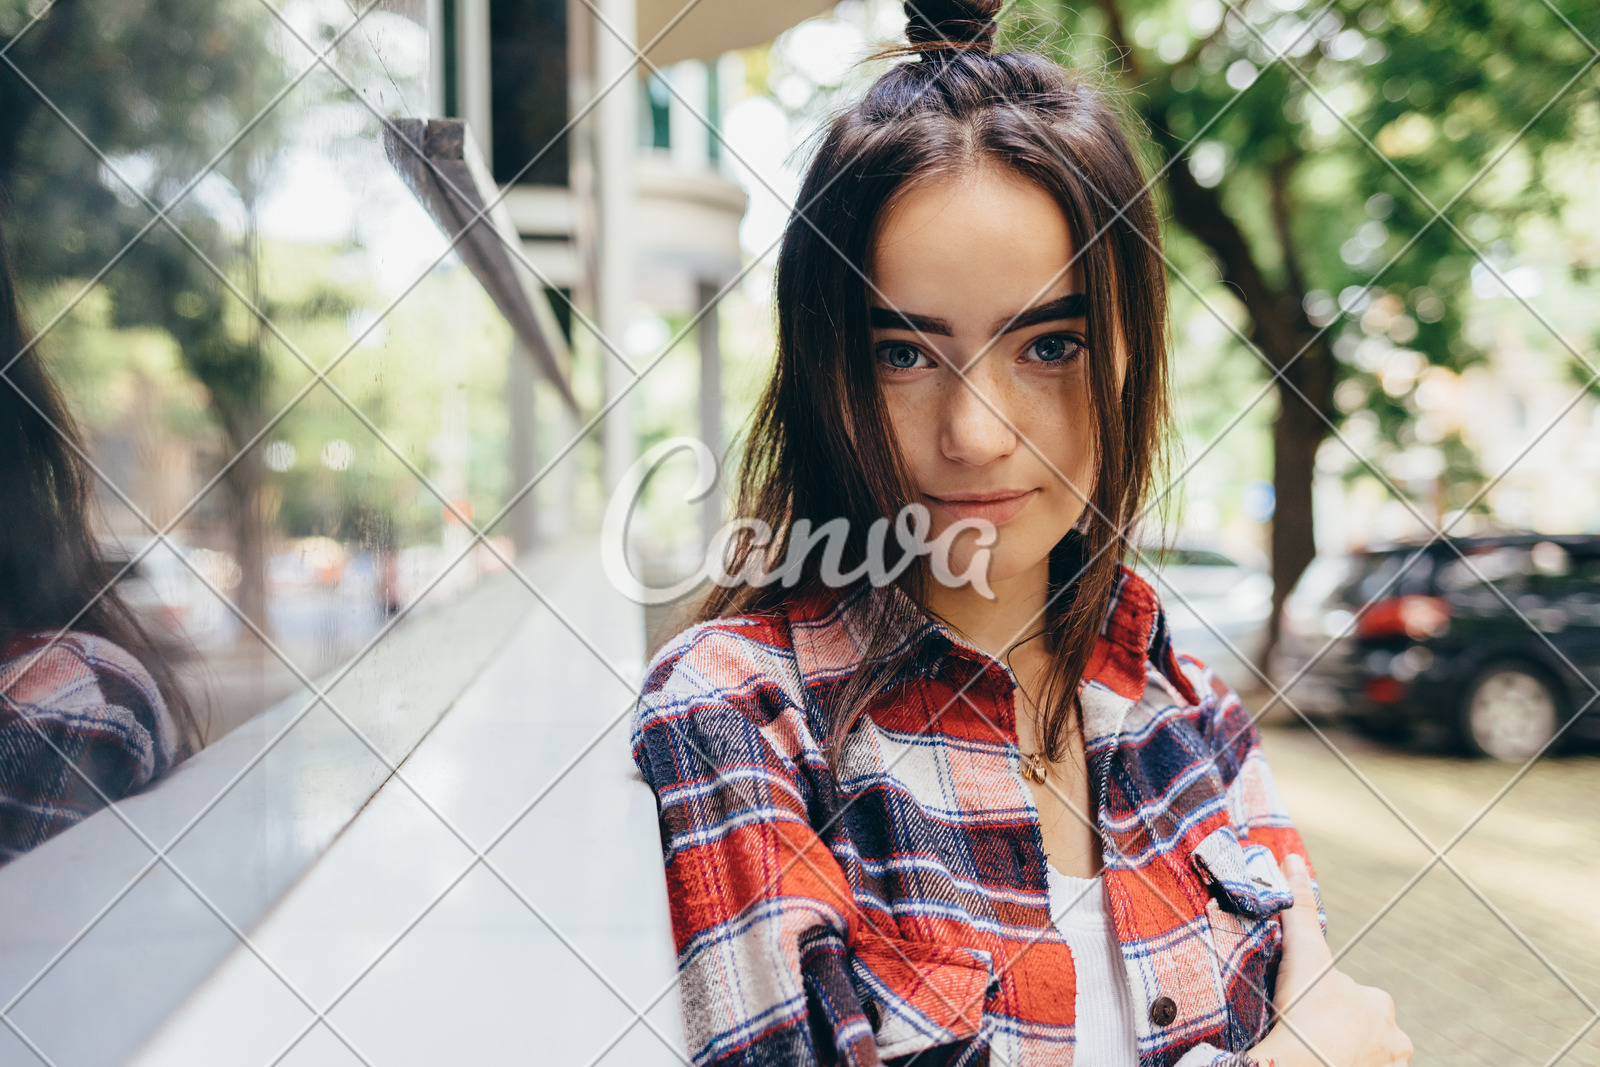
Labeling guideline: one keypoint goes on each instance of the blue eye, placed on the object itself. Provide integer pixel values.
(898, 355)
(1055, 348)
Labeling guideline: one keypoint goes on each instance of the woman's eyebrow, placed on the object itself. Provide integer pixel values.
(887, 319)
(1071, 306)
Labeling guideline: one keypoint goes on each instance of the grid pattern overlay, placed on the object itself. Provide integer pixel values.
(481, 852)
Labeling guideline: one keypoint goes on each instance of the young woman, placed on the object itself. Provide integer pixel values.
(89, 710)
(910, 823)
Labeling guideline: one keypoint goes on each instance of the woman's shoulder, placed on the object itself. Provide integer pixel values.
(724, 656)
(78, 672)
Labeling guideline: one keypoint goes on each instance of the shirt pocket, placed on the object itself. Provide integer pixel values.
(918, 994)
(1247, 893)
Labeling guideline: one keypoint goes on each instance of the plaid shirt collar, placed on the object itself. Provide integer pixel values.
(831, 632)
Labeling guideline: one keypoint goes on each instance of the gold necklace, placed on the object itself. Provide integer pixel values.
(1034, 767)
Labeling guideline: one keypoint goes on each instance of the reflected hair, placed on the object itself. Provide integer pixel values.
(53, 574)
(821, 446)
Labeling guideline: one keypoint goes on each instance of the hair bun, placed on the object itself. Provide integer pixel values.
(956, 25)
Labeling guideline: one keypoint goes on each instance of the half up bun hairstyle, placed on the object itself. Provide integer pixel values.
(820, 445)
(950, 25)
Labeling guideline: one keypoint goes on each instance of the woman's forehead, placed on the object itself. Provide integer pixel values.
(964, 245)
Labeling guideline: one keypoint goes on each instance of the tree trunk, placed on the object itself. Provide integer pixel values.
(1296, 434)
(1285, 338)
(244, 484)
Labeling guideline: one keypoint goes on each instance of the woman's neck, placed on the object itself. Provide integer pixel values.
(994, 626)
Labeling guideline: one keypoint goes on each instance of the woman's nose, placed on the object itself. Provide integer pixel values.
(975, 429)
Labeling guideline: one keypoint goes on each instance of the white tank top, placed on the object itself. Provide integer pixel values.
(1104, 1030)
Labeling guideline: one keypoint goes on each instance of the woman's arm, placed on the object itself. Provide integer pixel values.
(761, 911)
(1324, 1016)
(1347, 1024)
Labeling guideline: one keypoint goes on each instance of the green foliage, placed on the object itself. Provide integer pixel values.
(1333, 163)
(158, 88)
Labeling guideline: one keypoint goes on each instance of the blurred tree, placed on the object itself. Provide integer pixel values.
(1301, 178)
(159, 87)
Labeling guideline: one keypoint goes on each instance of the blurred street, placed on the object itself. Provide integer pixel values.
(1467, 990)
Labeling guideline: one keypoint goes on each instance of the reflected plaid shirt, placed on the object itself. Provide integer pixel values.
(899, 909)
(98, 707)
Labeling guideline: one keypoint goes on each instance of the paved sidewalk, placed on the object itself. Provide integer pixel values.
(1467, 989)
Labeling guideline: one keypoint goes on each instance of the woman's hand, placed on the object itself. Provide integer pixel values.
(1347, 1024)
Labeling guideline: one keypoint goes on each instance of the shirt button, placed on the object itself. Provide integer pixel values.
(1163, 1010)
(874, 1015)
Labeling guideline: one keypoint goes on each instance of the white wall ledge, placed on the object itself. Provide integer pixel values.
(155, 945)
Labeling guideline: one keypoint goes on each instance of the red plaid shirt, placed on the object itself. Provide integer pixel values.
(79, 717)
(900, 909)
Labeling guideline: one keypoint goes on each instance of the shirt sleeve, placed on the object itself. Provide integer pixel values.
(74, 732)
(762, 913)
(1255, 807)
(1258, 819)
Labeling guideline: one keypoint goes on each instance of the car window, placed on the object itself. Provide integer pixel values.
(1195, 557)
(1376, 575)
(1161, 558)
(1575, 577)
(1505, 566)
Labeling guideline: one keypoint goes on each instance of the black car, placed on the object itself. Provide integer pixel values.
(1494, 641)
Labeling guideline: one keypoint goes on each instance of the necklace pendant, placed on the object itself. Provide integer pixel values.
(1033, 768)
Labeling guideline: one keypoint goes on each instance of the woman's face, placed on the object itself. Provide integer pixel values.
(970, 283)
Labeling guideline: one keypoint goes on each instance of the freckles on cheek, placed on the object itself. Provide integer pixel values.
(1063, 429)
(903, 423)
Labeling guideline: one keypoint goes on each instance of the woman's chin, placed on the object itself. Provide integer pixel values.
(1000, 566)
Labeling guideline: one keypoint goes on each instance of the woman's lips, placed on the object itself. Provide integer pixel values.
(995, 511)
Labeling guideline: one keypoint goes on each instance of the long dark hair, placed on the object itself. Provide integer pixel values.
(52, 571)
(820, 445)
